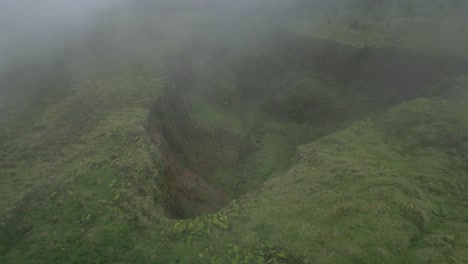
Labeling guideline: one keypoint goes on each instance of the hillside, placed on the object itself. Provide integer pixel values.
(260, 132)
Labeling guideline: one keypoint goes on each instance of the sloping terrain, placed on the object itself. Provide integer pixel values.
(236, 141)
(389, 189)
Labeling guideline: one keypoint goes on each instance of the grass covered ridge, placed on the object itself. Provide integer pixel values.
(73, 168)
(368, 194)
(81, 168)
(388, 189)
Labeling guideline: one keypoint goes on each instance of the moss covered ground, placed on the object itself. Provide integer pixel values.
(316, 169)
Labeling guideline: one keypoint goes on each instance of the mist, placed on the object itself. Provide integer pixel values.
(233, 131)
(33, 31)
(86, 37)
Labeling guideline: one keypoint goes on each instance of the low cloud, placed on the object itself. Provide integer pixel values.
(32, 29)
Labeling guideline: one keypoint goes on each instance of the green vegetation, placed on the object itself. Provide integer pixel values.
(370, 195)
(218, 134)
(70, 169)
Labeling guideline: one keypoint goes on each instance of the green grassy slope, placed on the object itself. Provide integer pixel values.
(81, 179)
(387, 190)
(390, 189)
(71, 167)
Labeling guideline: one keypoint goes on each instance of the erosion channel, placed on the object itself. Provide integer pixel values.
(228, 121)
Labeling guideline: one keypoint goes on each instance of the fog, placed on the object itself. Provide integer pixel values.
(116, 32)
(266, 125)
(32, 30)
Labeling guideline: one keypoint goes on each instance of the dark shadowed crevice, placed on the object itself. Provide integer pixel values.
(191, 152)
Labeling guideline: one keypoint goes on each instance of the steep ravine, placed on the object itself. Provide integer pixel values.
(273, 109)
